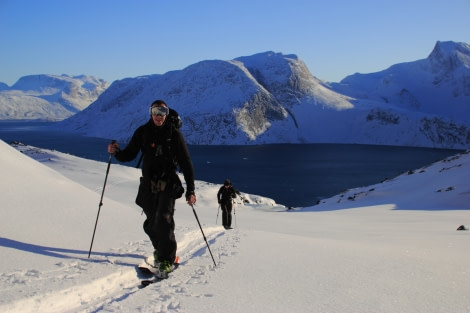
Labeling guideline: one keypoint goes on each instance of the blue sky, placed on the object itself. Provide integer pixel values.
(115, 39)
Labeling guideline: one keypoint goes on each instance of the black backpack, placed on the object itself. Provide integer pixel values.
(174, 119)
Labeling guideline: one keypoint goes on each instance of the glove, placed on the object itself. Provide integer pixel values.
(113, 147)
(189, 193)
(220, 201)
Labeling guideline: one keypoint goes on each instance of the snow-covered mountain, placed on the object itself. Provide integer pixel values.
(426, 100)
(273, 98)
(48, 97)
(3, 86)
(264, 98)
(439, 84)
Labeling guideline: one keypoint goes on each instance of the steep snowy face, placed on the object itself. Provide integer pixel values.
(450, 65)
(289, 80)
(439, 84)
(284, 76)
(49, 97)
(224, 101)
(448, 56)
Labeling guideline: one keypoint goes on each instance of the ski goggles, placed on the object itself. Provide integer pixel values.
(158, 110)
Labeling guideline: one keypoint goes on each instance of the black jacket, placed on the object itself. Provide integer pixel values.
(163, 148)
(225, 195)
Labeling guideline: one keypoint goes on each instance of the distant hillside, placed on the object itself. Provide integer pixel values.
(439, 84)
(48, 97)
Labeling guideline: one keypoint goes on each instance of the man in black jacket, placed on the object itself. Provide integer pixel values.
(164, 149)
(224, 197)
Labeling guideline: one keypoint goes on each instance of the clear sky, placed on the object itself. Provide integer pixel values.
(115, 39)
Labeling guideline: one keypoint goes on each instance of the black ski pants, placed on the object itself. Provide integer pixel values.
(226, 213)
(160, 226)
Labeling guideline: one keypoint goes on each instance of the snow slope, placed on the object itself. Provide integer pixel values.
(391, 247)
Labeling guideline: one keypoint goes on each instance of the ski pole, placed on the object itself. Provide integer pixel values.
(101, 201)
(217, 215)
(204, 236)
(235, 214)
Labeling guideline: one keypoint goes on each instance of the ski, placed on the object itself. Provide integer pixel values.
(144, 283)
(148, 268)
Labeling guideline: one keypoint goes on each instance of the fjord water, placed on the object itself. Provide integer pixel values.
(293, 175)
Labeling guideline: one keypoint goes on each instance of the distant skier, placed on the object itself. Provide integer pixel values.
(224, 197)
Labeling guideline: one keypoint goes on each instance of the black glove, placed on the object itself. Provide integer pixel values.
(189, 193)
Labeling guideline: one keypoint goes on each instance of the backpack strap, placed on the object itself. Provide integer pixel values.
(175, 122)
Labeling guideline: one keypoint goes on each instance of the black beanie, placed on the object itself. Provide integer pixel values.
(159, 103)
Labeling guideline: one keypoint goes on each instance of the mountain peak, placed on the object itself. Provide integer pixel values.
(450, 55)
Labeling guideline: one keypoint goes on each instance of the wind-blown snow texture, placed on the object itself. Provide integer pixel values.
(273, 98)
(390, 247)
(48, 97)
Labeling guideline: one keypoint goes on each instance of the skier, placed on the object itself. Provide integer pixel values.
(224, 197)
(163, 149)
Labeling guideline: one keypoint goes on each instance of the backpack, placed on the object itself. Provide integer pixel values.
(174, 119)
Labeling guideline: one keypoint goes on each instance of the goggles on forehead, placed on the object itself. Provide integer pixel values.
(163, 111)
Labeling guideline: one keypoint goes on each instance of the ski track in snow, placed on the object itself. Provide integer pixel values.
(109, 293)
(195, 268)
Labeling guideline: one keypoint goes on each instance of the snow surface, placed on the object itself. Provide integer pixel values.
(390, 247)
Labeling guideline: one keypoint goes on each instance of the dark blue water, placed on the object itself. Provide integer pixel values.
(292, 175)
